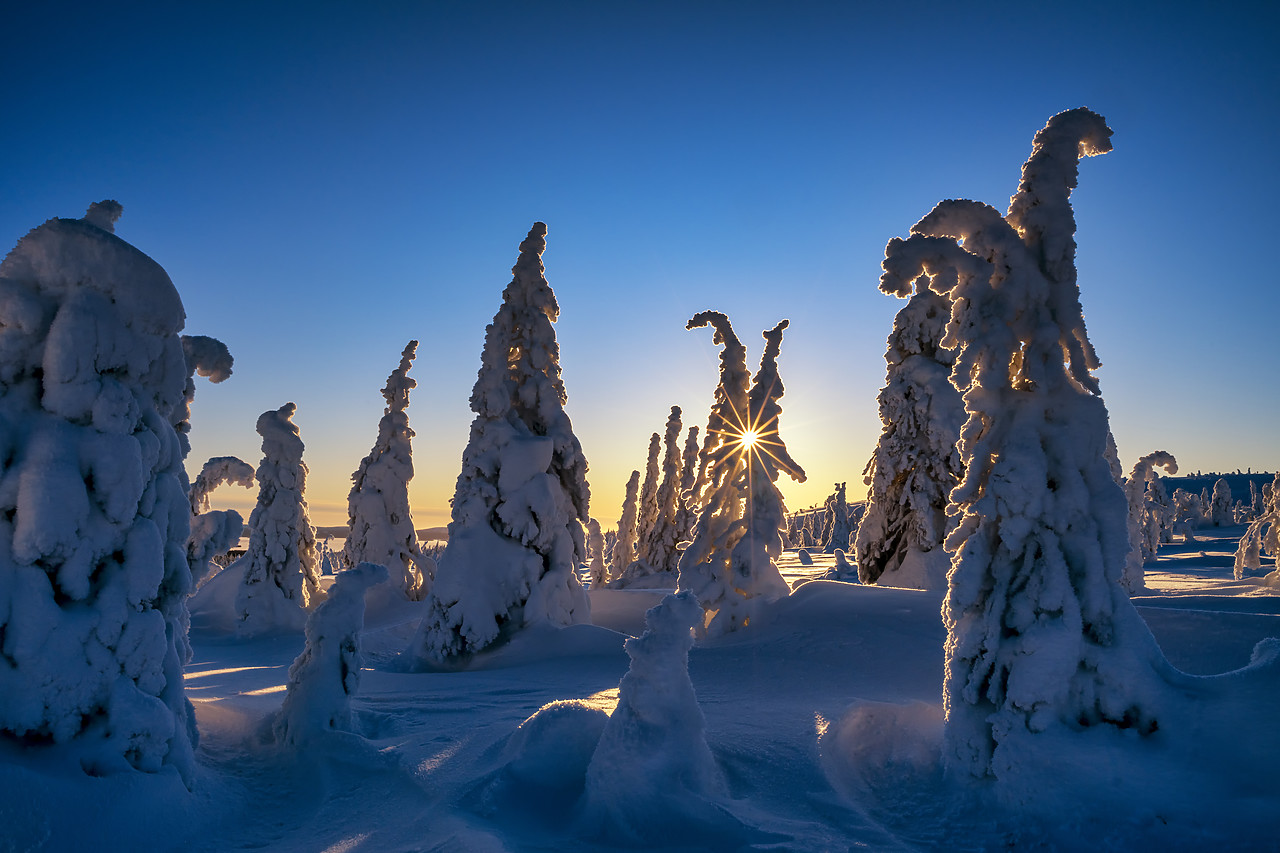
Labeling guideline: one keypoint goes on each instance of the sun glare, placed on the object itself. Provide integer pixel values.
(749, 439)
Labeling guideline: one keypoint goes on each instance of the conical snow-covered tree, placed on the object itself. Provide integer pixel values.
(916, 462)
(93, 533)
(597, 571)
(281, 566)
(689, 501)
(647, 511)
(379, 523)
(1040, 633)
(624, 546)
(1220, 503)
(1136, 491)
(731, 564)
(657, 555)
(839, 530)
(516, 535)
(1263, 534)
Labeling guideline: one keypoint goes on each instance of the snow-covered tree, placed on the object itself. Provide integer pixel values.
(653, 758)
(689, 501)
(916, 462)
(1220, 504)
(624, 546)
(1160, 515)
(214, 532)
(731, 563)
(839, 529)
(217, 471)
(1263, 534)
(326, 675)
(647, 511)
(516, 535)
(1040, 633)
(93, 533)
(656, 548)
(597, 572)
(281, 567)
(379, 523)
(1141, 516)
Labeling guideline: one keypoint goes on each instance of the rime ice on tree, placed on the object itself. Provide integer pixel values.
(731, 563)
(516, 534)
(93, 569)
(1143, 516)
(326, 675)
(380, 525)
(281, 566)
(1040, 631)
(916, 462)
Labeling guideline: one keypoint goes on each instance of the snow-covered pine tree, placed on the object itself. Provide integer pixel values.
(838, 527)
(1160, 514)
(647, 512)
(281, 567)
(656, 551)
(597, 572)
(516, 535)
(731, 563)
(688, 500)
(93, 533)
(1263, 534)
(379, 522)
(326, 675)
(1040, 632)
(1220, 503)
(916, 462)
(1137, 495)
(624, 545)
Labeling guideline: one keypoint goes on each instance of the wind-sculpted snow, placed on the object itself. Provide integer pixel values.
(380, 524)
(516, 534)
(280, 577)
(326, 675)
(1041, 634)
(93, 569)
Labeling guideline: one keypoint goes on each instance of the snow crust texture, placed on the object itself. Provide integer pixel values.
(516, 534)
(93, 534)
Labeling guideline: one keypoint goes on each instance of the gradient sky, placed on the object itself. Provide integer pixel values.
(325, 182)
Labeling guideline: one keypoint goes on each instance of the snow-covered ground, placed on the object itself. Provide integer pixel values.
(824, 719)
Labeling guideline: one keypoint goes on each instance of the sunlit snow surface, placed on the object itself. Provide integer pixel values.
(824, 721)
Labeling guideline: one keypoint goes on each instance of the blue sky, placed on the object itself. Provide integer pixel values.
(325, 182)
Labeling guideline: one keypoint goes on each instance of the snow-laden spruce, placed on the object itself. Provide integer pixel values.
(652, 763)
(916, 462)
(731, 564)
(839, 527)
(657, 553)
(379, 523)
(280, 577)
(597, 571)
(1263, 534)
(93, 534)
(647, 509)
(1220, 512)
(326, 675)
(624, 545)
(516, 535)
(1143, 516)
(689, 500)
(1041, 634)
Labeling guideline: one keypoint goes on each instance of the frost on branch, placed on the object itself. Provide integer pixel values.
(516, 535)
(93, 569)
(916, 462)
(731, 565)
(1144, 516)
(326, 675)
(281, 565)
(1041, 633)
(379, 523)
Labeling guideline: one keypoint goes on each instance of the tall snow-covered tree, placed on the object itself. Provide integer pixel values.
(1220, 505)
(1040, 632)
(916, 462)
(624, 545)
(281, 566)
(1136, 492)
(93, 533)
(689, 501)
(1263, 534)
(656, 549)
(839, 529)
(731, 564)
(516, 535)
(379, 522)
(647, 510)
(597, 571)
